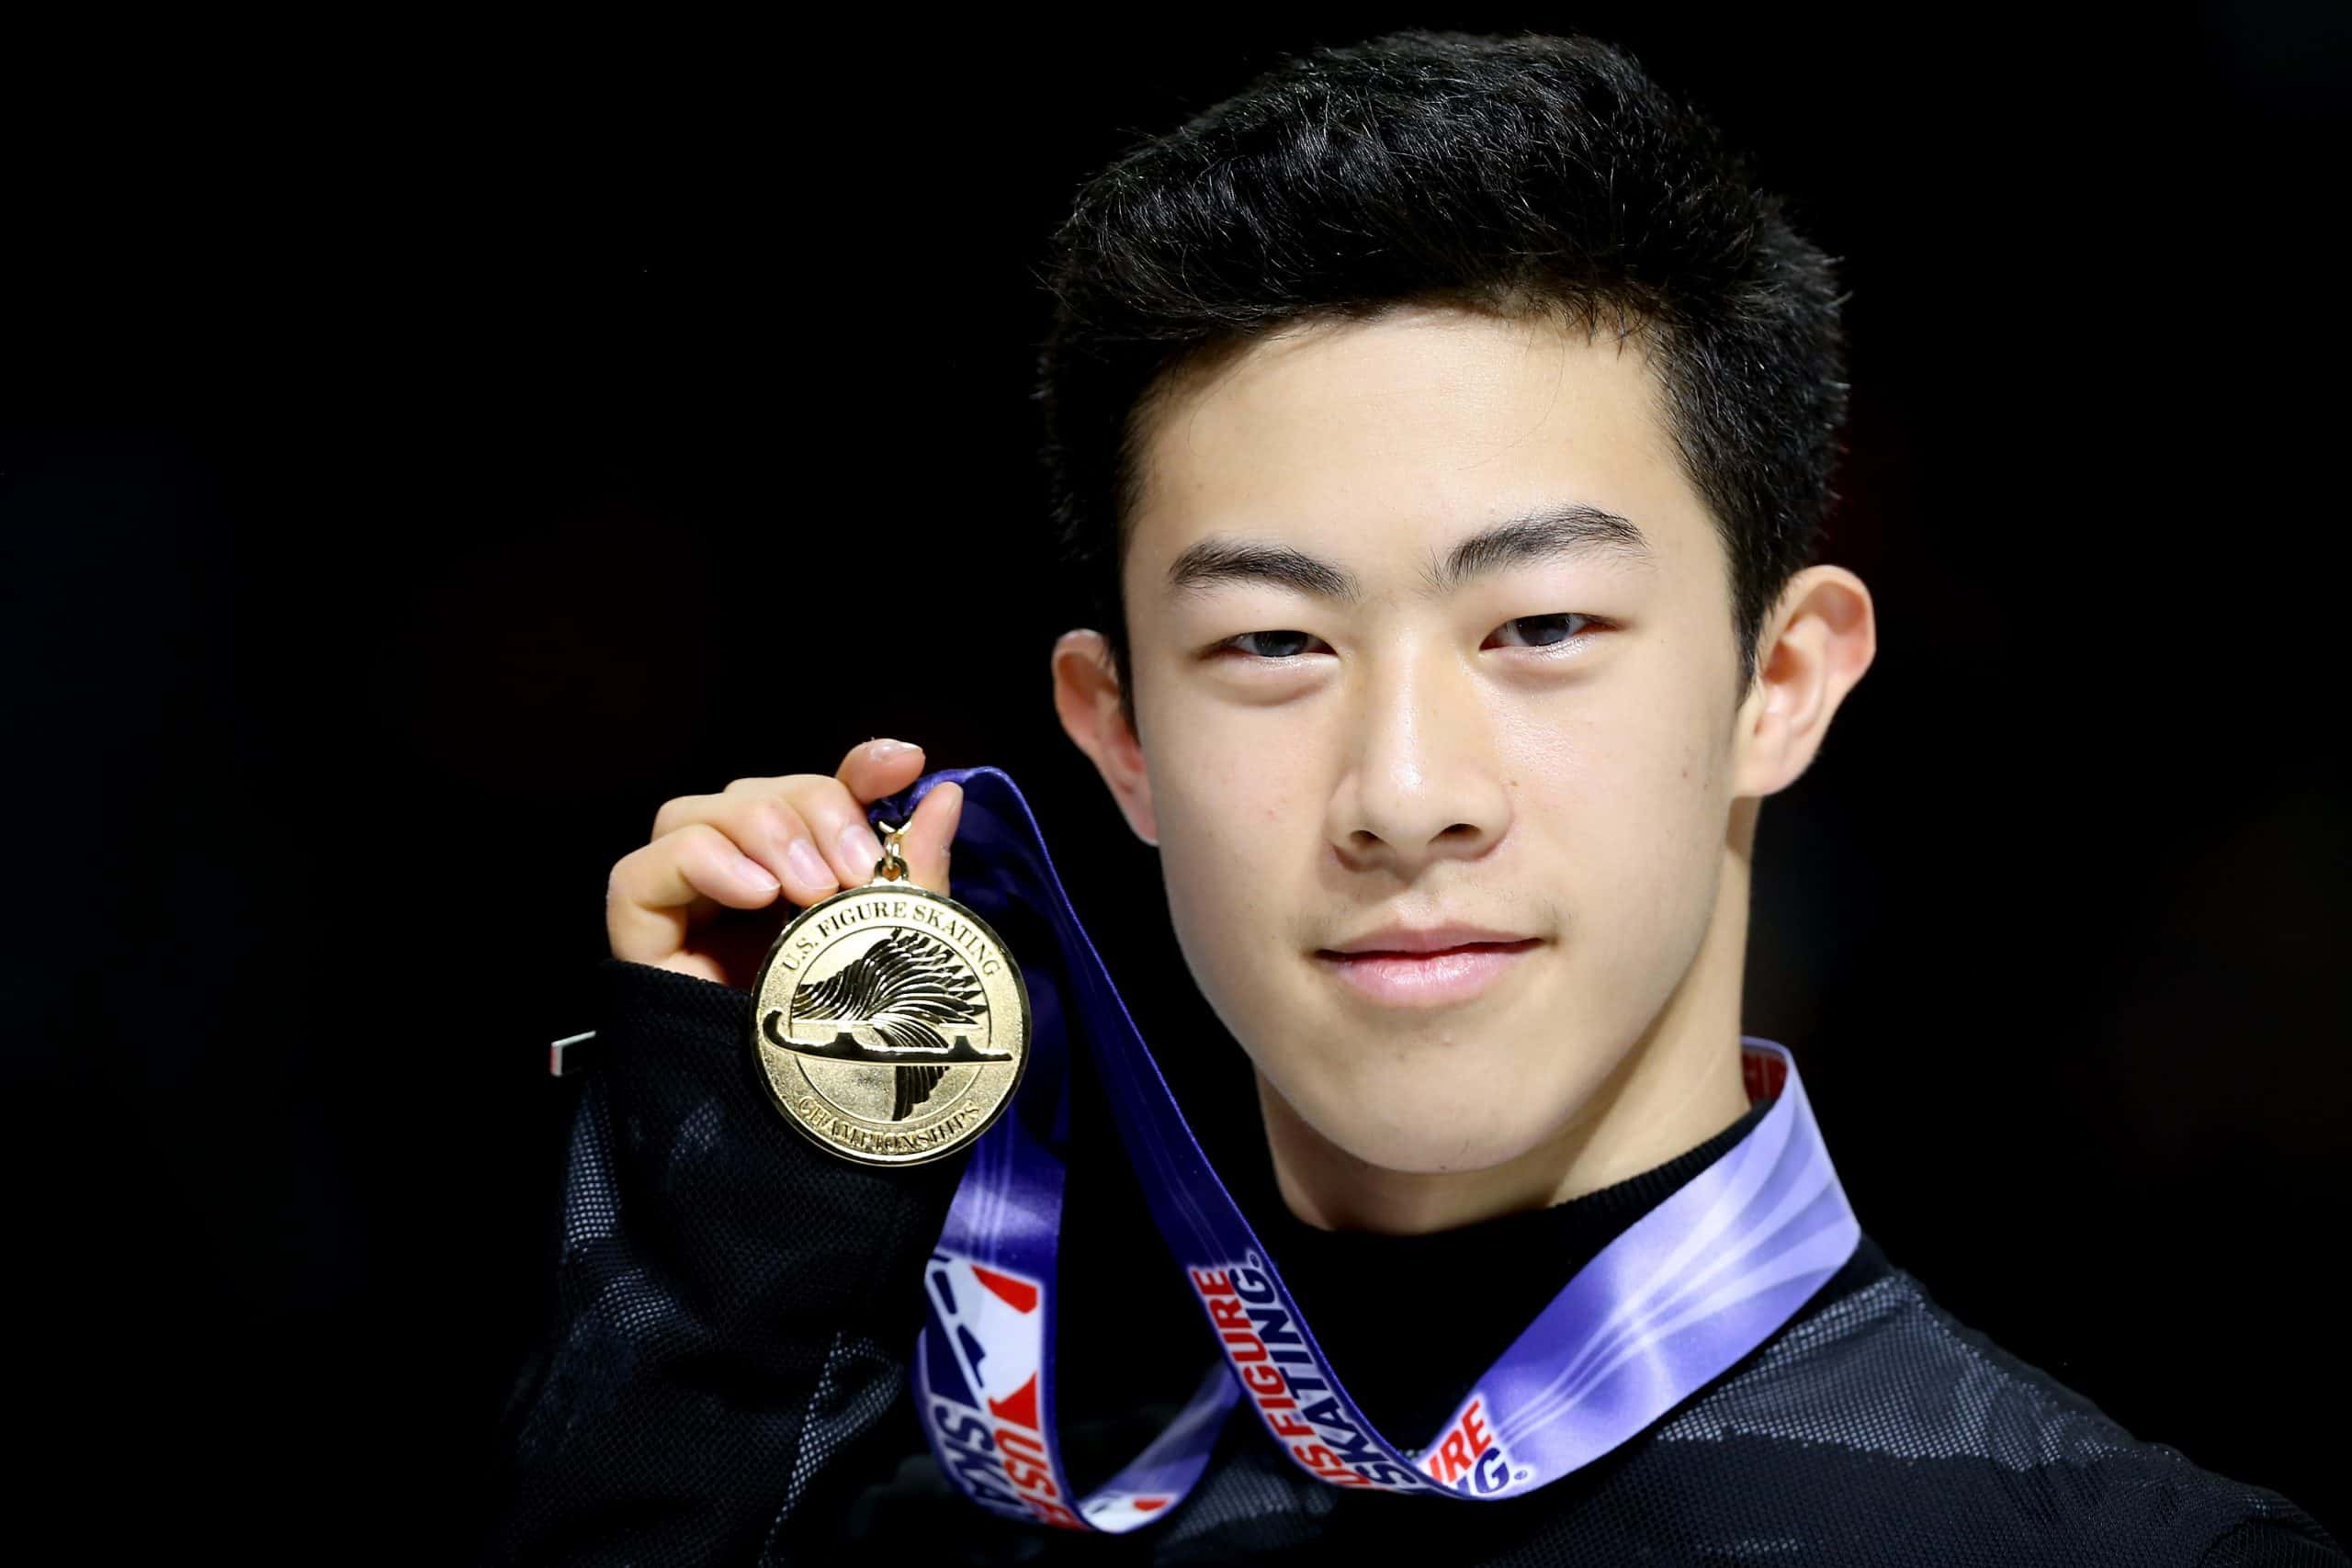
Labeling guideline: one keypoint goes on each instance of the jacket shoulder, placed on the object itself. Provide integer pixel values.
(1887, 1384)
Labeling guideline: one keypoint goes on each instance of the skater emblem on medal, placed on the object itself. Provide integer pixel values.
(890, 1023)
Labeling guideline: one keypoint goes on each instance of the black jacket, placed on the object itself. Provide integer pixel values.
(723, 1377)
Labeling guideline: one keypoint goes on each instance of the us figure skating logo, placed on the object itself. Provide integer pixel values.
(1467, 1456)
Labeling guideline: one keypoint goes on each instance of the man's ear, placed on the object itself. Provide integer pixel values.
(1820, 638)
(1086, 694)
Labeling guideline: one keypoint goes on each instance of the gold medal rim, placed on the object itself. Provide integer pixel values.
(767, 1085)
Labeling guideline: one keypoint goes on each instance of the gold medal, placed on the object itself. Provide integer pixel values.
(890, 1023)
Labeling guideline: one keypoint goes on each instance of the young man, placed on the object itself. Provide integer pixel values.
(1444, 426)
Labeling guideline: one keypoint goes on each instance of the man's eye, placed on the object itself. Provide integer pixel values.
(1271, 645)
(1544, 631)
(1526, 631)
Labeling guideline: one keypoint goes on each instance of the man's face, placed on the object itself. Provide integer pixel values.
(1542, 749)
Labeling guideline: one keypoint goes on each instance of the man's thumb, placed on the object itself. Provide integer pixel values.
(931, 836)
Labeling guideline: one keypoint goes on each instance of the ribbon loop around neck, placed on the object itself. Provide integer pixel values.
(1689, 1289)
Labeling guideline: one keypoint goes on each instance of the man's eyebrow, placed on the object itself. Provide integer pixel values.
(1553, 533)
(1571, 532)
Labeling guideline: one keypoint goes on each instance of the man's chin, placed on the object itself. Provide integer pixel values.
(1421, 1141)
(1437, 1107)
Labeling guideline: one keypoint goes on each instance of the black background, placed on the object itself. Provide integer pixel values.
(425, 453)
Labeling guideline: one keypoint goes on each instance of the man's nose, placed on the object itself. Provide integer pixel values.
(1419, 777)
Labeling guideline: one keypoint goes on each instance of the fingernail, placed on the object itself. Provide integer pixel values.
(860, 848)
(880, 748)
(753, 875)
(806, 863)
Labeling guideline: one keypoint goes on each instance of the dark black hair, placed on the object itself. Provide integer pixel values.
(1518, 175)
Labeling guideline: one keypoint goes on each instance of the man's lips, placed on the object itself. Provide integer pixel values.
(1437, 977)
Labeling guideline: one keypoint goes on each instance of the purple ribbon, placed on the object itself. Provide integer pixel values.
(1689, 1289)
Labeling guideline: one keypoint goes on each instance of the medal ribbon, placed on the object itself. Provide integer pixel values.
(1689, 1289)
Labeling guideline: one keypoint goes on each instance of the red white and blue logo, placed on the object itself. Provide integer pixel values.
(978, 1376)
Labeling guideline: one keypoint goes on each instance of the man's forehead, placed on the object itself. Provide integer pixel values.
(1428, 423)
(1572, 531)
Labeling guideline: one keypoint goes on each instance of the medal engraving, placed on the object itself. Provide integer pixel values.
(890, 1023)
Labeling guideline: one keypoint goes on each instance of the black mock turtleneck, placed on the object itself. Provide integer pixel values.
(1410, 1321)
(1499, 1274)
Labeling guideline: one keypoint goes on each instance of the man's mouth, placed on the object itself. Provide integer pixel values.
(1439, 977)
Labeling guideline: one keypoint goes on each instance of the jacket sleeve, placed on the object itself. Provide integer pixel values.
(734, 1309)
(2280, 1535)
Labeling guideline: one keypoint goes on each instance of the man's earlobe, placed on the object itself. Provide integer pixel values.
(1086, 696)
(1812, 650)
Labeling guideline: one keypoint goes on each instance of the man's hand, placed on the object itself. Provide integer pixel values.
(700, 898)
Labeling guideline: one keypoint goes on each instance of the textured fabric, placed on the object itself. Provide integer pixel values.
(723, 1378)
